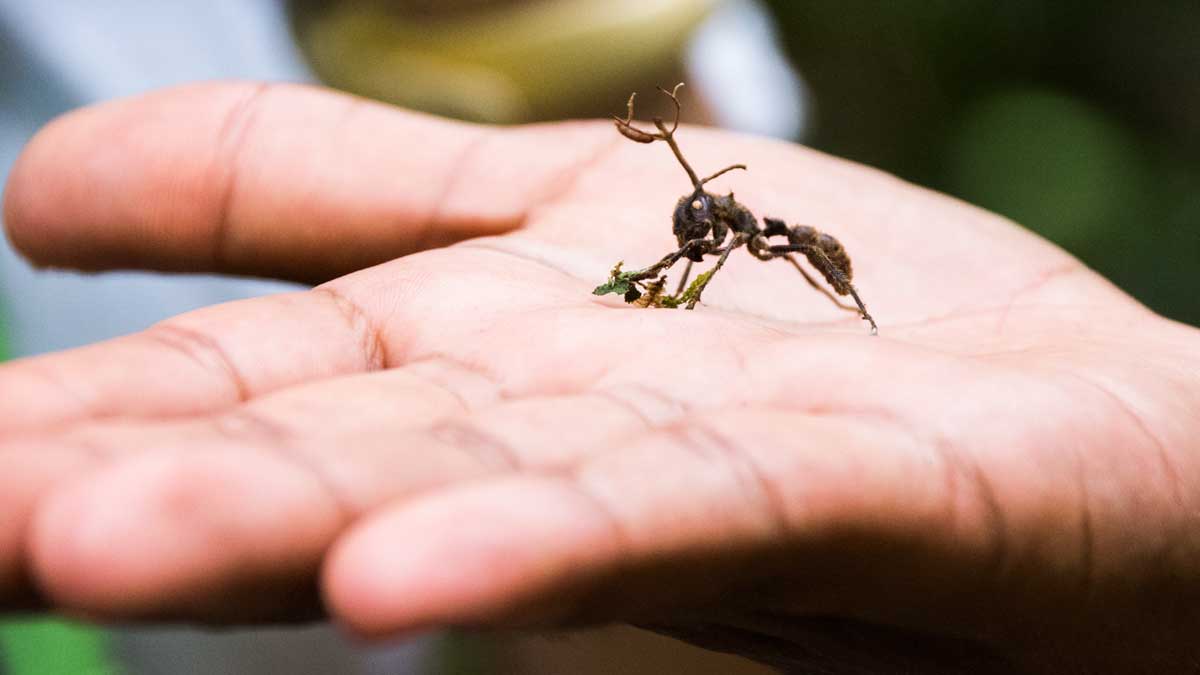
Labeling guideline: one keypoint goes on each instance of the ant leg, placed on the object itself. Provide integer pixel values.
(829, 270)
(687, 271)
(669, 260)
(818, 287)
(737, 241)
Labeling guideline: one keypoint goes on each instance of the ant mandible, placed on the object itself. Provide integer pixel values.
(701, 223)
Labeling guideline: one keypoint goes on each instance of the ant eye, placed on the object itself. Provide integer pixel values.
(697, 204)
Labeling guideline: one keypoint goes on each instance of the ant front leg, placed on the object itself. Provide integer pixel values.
(696, 246)
(738, 240)
(687, 272)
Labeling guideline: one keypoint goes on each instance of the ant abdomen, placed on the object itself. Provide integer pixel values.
(832, 251)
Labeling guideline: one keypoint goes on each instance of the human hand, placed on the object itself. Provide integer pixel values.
(467, 436)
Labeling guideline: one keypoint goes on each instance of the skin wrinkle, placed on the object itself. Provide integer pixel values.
(959, 470)
(953, 315)
(38, 368)
(485, 449)
(97, 453)
(97, 456)
(491, 247)
(1166, 464)
(238, 125)
(433, 220)
(546, 200)
(1087, 536)
(557, 192)
(274, 439)
(370, 337)
(997, 523)
(204, 350)
(779, 328)
(1177, 532)
(452, 362)
(951, 471)
(416, 369)
(961, 314)
(678, 408)
(463, 405)
(732, 347)
(613, 398)
(502, 391)
(245, 424)
(681, 406)
(769, 494)
(1035, 285)
(583, 597)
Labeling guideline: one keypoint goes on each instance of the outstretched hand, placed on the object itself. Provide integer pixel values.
(464, 435)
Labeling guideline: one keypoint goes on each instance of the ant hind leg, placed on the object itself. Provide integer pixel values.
(831, 272)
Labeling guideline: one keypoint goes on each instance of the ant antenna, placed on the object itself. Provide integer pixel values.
(724, 171)
(626, 128)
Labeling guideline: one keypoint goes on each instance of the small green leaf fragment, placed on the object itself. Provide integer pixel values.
(621, 283)
(618, 286)
(695, 287)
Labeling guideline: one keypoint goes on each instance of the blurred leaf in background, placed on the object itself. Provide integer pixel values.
(5, 350)
(1076, 119)
(500, 61)
(51, 647)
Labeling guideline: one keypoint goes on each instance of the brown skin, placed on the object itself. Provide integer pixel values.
(467, 435)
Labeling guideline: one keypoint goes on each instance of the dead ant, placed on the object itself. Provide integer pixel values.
(701, 223)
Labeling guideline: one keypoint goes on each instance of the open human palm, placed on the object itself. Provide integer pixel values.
(463, 435)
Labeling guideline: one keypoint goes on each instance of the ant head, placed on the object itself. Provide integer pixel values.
(693, 217)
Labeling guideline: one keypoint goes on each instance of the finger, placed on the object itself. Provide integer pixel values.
(197, 362)
(703, 509)
(229, 519)
(278, 180)
(808, 514)
(35, 465)
(217, 357)
(27, 471)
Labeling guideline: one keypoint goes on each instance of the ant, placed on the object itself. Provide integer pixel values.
(702, 221)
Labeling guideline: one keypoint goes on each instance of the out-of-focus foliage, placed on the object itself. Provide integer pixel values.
(498, 61)
(46, 646)
(1081, 120)
(4, 348)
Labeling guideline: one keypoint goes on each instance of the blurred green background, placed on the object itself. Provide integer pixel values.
(1079, 120)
